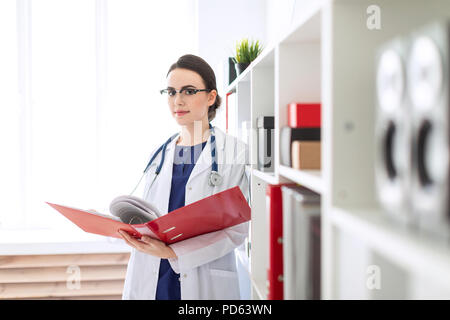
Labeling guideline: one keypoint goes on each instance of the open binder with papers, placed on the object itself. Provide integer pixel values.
(138, 217)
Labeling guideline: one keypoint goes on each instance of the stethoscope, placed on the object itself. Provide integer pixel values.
(215, 179)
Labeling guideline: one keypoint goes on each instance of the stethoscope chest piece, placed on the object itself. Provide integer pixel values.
(215, 179)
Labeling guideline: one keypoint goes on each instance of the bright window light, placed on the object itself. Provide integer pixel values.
(80, 109)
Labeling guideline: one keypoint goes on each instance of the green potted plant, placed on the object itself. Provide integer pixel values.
(245, 53)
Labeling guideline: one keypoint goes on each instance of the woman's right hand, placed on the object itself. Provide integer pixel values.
(149, 245)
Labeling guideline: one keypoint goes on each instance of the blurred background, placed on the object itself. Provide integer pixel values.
(80, 111)
(80, 103)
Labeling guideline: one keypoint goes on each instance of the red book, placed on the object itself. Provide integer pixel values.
(274, 210)
(304, 115)
(221, 210)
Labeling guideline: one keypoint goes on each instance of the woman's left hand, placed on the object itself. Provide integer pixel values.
(149, 245)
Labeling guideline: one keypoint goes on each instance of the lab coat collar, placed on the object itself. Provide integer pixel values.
(166, 182)
(204, 161)
(220, 141)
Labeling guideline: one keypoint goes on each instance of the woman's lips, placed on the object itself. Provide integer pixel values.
(181, 113)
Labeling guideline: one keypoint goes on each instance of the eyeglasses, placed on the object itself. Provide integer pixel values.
(183, 92)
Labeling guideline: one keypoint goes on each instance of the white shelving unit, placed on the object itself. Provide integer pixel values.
(329, 57)
(312, 179)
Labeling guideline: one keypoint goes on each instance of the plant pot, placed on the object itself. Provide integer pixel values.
(240, 67)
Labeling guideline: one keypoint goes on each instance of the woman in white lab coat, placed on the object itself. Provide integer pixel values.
(203, 267)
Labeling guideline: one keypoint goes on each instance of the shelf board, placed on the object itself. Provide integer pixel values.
(244, 76)
(265, 59)
(268, 177)
(311, 179)
(414, 252)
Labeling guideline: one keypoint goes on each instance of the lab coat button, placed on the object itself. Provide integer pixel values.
(189, 188)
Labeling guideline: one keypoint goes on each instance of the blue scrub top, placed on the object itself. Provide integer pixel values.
(168, 287)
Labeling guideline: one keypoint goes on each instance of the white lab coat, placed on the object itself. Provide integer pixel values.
(206, 263)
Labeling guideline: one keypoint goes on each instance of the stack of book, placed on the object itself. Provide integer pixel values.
(274, 212)
(293, 216)
(300, 140)
(301, 243)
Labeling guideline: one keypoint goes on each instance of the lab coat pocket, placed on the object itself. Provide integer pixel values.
(225, 284)
(223, 273)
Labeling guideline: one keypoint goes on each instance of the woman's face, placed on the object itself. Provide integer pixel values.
(186, 109)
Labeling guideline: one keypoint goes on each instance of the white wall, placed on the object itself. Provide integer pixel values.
(282, 15)
(222, 23)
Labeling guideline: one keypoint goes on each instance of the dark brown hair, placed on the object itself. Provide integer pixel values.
(200, 66)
